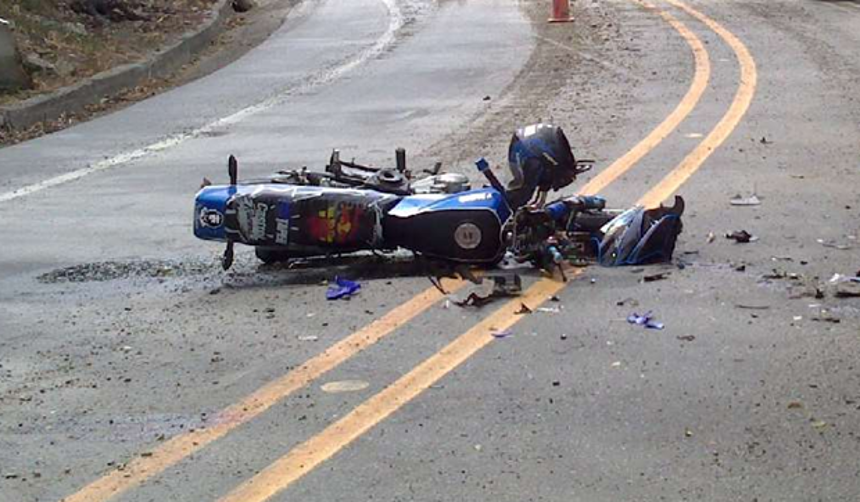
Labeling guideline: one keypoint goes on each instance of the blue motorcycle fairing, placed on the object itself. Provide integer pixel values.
(488, 199)
(210, 208)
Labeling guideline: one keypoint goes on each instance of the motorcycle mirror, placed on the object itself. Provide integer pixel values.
(227, 258)
(233, 169)
(400, 159)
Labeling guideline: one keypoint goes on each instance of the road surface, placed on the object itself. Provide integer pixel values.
(133, 369)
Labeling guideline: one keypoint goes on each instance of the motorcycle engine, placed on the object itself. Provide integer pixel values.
(446, 183)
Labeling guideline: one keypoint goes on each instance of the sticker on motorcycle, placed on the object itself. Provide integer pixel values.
(339, 223)
(467, 235)
(210, 218)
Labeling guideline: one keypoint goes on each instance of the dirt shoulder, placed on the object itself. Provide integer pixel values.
(65, 43)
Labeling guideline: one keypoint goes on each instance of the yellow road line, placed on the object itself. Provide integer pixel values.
(319, 448)
(305, 457)
(697, 88)
(183, 445)
(727, 124)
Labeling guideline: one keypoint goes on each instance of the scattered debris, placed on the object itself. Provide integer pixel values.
(343, 288)
(630, 302)
(616, 364)
(739, 200)
(741, 236)
(646, 320)
(688, 433)
(554, 298)
(686, 338)
(826, 316)
(488, 289)
(834, 245)
(500, 333)
(848, 289)
(752, 307)
(775, 274)
(844, 278)
(524, 309)
(344, 386)
(711, 237)
(818, 424)
(806, 291)
(656, 277)
(307, 338)
(549, 310)
(795, 405)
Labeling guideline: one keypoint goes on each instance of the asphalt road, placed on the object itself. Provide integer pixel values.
(133, 369)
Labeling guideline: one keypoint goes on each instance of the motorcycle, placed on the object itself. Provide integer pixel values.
(352, 207)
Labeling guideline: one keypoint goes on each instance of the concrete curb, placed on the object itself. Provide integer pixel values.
(77, 97)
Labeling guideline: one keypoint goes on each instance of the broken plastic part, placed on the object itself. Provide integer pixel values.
(646, 319)
(343, 288)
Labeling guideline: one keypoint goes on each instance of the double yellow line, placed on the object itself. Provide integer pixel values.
(321, 447)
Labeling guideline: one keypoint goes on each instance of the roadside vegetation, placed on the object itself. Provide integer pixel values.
(62, 42)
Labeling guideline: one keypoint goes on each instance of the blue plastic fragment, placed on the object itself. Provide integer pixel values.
(343, 288)
(645, 319)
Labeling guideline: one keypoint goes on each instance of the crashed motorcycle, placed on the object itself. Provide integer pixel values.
(352, 207)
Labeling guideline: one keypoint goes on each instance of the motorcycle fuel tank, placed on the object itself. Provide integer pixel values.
(464, 227)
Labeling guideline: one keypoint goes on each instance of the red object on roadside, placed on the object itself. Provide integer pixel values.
(560, 11)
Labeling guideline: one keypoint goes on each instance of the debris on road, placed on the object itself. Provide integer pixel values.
(307, 338)
(342, 288)
(740, 200)
(646, 319)
(501, 333)
(686, 338)
(845, 286)
(849, 289)
(524, 309)
(741, 236)
(818, 424)
(752, 307)
(630, 302)
(834, 245)
(826, 316)
(549, 310)
(488, 289)
(656, 277)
